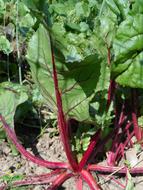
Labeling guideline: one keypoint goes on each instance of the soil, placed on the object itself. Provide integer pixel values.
(50, 149)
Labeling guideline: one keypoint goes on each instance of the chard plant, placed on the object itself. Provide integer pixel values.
(101, 89)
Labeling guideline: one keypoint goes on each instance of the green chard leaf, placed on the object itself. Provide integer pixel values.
(137, 7)
(128, 49)
(112, 12)
(11, 95)
(5, 45)
(77, 88)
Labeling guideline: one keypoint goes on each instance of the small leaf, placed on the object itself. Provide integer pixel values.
(85, 142)
(82, 9)
(5, 45)
(11, 95)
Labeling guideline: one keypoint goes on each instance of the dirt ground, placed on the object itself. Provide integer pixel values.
(50, 149)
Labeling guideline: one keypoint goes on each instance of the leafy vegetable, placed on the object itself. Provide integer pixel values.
(81, 54)
(76, 88)
(11, 95)
(5, 45)
(128, 48)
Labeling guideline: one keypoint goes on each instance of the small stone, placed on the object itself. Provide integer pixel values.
(131, 156)
(41, 170)
(6, 150)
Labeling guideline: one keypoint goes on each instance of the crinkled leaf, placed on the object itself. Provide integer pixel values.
(133, 75)
(39, 8)
(84, 27)
(82, 9)
(129, 38)
(128, 47)
(27, 21)
(73, 27)
(112, 12)
(119, 7)
(137, 6)
(77, 80)
(108, 26)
